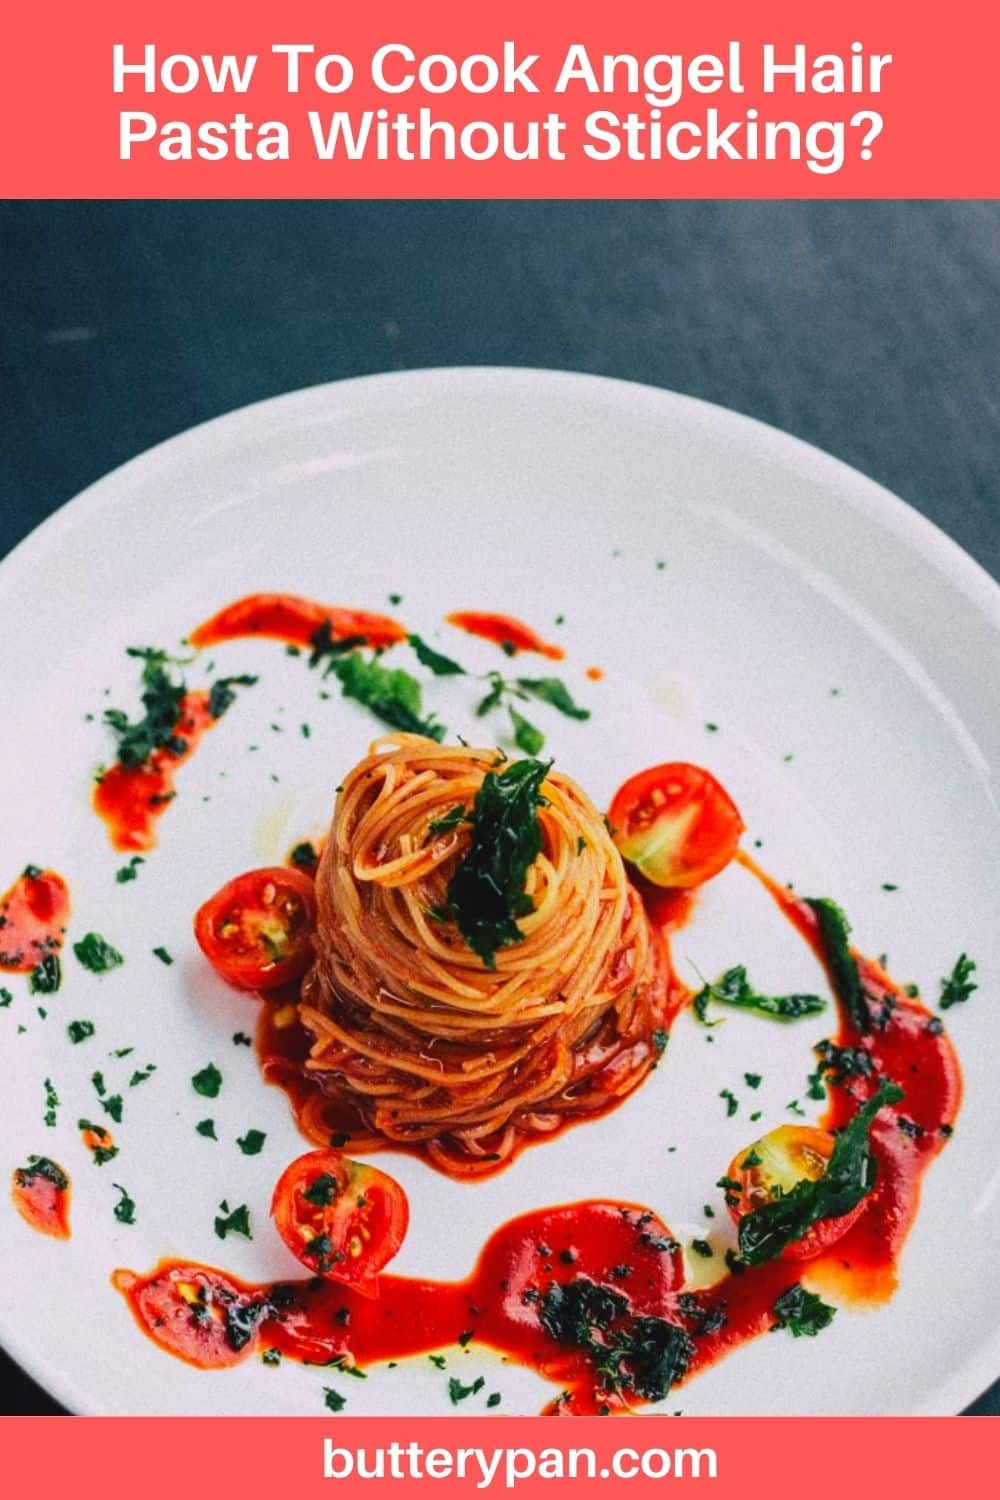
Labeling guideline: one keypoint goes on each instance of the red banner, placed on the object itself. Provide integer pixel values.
(859, 99)
(734, 1458)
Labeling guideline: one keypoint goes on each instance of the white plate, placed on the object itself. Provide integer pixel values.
(785, 575)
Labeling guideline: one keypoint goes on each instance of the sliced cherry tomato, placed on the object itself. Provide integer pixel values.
(257, 931)
(676, 824)
(342, 1219)
(774, 1165)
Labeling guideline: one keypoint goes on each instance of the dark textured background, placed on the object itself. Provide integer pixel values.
(871, 329)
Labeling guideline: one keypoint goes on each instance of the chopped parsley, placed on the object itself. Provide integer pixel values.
(113, 1104)
(100, 1146)
(333, 1400)
(486, 893)
(304, 856)
(42, 1166)
(79, 1031)
(959, 984)
(208, 1082)
(46, 977)
(735, 989)
(702, 1248)
(448, 822)
(849, 1177)
(802, 1313)
(526, 736)
(5, 997)
(732, 1103)
(222, 694)
(51, 1103)
(141, 1074)
(96, 954)
(323, 1191)
(270, 1357)
(391, 694)
(753, 1080)
(553, 691)
(130, 871)
(125, 1207)
(240, 1039)
(162, 698)
(458, 1392)
(645, 1354)
(163, 956)
(659, 1038)
(236, 1221)
(251, 1143)
(494, 1398)
(441, 666)
(438, 1361)
(207, 1128)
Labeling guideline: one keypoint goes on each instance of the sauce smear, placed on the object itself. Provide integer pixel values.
(40, 1193)
(504, 630)
(34, 914)
(130, 799)
(288, 618)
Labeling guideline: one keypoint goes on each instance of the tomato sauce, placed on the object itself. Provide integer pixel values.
(504, 630)
(286, 617)
(130, 799)
(619, 1254)
(40, 1192)
(502, 1305)
(34, 914)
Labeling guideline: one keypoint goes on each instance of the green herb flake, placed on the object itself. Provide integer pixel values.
(163, 956)
(734, 989)
(51, 1103)
(849, 1176)
(333, 1400)
(113, 1104)
(79, 1031)
(304, 856)
(448, 823)
(162, 700)
(235, 1222)
(96, 954)
(322, 1191)
(486, 893)
(208, 1082)
(702, 1248)
(141, 1074)
(802, 1313)
(240, 1039)
(959, 985)
(753, 1080)
(42, 1166)
(46, 977)
(270, 1357)
(441, 666)
(438, 1361)
(130, 871)
(458, 1392)
(494, 1398)
(553, 691)
(526, 736)
(732, 1103)
(659, 1038)
(101, 1149)
(125, 1207)
(5, 998)
(391, 694)
(834, 932)
(251, 1143)
(222, 693)
(207, 1129)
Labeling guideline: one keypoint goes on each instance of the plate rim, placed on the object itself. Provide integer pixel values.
(863, 493)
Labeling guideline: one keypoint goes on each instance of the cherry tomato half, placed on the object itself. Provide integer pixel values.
(257, 931)
(773, 1165)
(342, 1219)
(676, 824)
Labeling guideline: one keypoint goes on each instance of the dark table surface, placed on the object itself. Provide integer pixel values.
(870, 329)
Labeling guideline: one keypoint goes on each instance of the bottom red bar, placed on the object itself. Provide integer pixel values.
(115, 1458)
